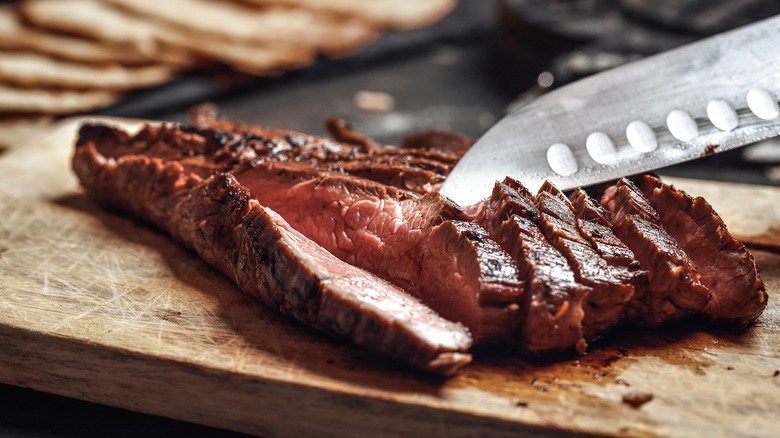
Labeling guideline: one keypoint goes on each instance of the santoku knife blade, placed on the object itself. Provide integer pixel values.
(706, 97)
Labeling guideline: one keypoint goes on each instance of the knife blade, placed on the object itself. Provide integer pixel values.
(707, 97)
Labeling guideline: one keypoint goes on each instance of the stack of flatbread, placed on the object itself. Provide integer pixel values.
(69, 56)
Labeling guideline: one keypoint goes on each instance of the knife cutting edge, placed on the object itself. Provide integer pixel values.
(707, 97)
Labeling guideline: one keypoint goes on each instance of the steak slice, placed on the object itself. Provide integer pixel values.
(267, 258)
(230, 148)
(612, 286)
(674, 286)
(552, 305)
(457, 253)
(296, 146)
(725, 265)
(206, 151)
(407, 241)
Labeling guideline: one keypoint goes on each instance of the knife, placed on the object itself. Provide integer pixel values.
(710, 96)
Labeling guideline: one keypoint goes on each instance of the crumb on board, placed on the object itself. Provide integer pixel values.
(637, 398)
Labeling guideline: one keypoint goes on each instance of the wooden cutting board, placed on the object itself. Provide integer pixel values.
(99, 307)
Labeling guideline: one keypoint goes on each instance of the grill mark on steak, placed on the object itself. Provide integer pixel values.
(725, 265)
(611, 286)
(593, 222)
(552, 304)
(267, 258)
(393, 238)
(674, 287)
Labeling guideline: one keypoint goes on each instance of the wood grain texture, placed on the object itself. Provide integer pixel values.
(100, 307)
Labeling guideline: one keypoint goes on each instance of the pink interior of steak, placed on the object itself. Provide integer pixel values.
(376, 305)
(351, 225)
(401, 176)
(726, 267)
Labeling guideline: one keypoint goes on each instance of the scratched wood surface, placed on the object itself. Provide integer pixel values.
(99, 307)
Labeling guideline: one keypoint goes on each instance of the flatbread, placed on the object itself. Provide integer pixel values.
(271, 25)
(16, 35)
(14, 129)
(92, 19)
(33, 70)
(21, 100)
(396, 14)
(107, 23)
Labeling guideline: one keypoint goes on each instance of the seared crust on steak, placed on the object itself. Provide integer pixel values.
(456, 253)
(725, 265)
(268, 259)
(552, 305)
(421, 170)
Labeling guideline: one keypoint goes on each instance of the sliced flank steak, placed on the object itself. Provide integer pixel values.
(369, 225)
(612, 286)
(351, 237)
(265, 256)
(725, 265)
(553, 302)
(385, 230)
(674, 286)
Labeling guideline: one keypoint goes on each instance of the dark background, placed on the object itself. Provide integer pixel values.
(458, 75)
